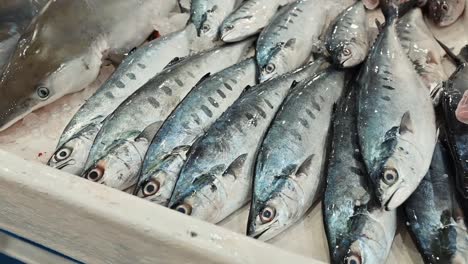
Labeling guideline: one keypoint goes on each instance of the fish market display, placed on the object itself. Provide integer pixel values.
(216, 180)
(202, 106)
(250, 19)
(62, 50)
(286, 43)
(117, 152)
(139, 67)
(208, 15)
(347, 38)
(434, 217)
(290, 163)
(396, 120)
(445, 12)
(353, 221)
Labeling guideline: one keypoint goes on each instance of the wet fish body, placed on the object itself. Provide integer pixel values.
(434, 217)
(347, 37)
(64, 48)
(201, 108)
(118, 150)
(350, 215)
(138, 68)
(396, 121)
(289, 168)
(249, 19)
(216, 180)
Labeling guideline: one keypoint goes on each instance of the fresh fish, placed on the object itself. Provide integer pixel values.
(353, 224)
(455, 130)
(347, 38)
(445, 12)
(118, 150)
(216, 180)
(139, 67)
(208, 15)
(185, 5)
(8, 41)
(250, 19)
(286, 43)
(289, 168)
(396, 120)
(62, 50)
(423, 50)
(434, 217)
(202, 106)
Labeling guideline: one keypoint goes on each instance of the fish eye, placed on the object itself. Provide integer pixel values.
(229, 27)
(347, 52)
(95, 174)
(151, 188)
(43, 92)
(390, 176)
(445, 7)
(270, 68)
(184, 208)
(62, 154)
(353, 259)
(205, 28)
(267, 214)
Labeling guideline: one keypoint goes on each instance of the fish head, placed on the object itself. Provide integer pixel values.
(349, 54)
(71, 156)
(445, 12)
(207, 23)
(119, 167)
(157, 183)
(278, 60)
(236, 29)
(39, 72)
(364, 250)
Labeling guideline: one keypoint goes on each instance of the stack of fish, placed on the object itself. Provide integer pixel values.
(208, 118)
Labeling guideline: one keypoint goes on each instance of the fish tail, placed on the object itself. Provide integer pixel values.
(393, 9)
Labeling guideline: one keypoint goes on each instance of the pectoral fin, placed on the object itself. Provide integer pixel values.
(150, 131)
(235, 169)
(406, 124)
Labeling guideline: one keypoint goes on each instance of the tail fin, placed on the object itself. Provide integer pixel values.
(457, 60)
(392, 9)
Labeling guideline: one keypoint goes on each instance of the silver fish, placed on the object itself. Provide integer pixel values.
(216, 180)
(396, 120)
(445, 12)
(139, 67)
(195, 114)
(289, 168)
(286, 43)
(347, 39)
(208, 15)
(250, 19)
(62, 50)
(351, 218)
(434, 216)
(118, 150)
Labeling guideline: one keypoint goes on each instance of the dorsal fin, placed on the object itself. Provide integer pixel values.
(406, 124)
(379, 25)
(304, 169)
(150, 131)
(174, 61)
(235, 169)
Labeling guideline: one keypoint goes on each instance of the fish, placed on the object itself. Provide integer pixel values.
(208, 16)
(451, 107)
(445, 12)
(216, 179)
(194, 115)
(396, 119)
(347, 39)
(422, 49)
(61, 51)
(353, 220)
(286, 43)
(289, 168)
(135, 70)
(250, 18)
(185, 5)
(434, 217)
(119, 148)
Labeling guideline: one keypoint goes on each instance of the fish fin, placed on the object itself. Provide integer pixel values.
(464, 53)
(304, 168)
(150, 131)
(291, 43)
(246, 89)
(235, 169)
(379, 25)
(173, 62)
(457, 60)
(437, 94)
(206, 76)
(294, 84)
(181, 151)
(406, 124)
(392, 9)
